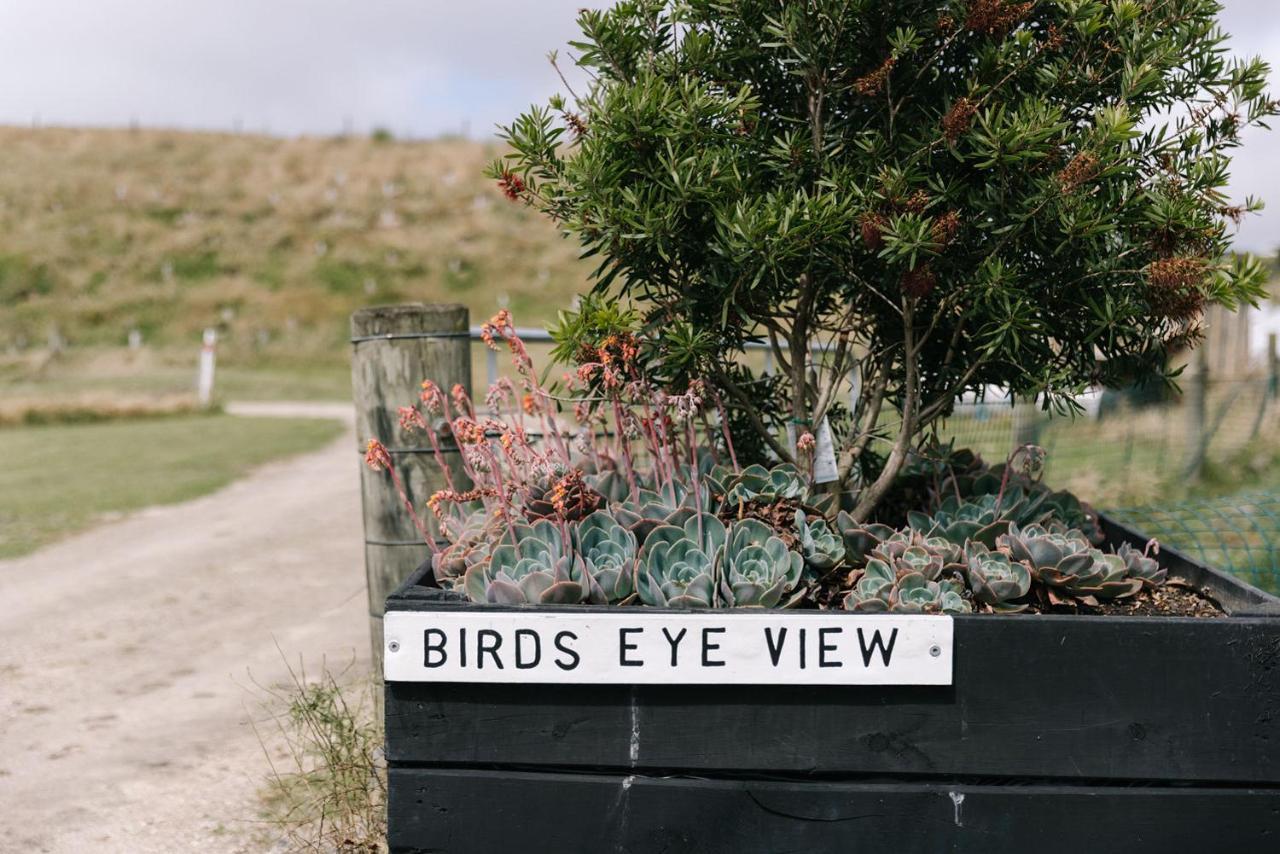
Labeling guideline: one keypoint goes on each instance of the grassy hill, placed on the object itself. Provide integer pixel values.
(273, 241)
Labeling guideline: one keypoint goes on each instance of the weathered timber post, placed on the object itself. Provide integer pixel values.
(1273, 367)
(1270, 387)
(395, 348)
(1197, 403)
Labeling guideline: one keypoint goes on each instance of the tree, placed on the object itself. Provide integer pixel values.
(945, 194)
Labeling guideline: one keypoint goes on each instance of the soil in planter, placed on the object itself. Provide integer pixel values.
(1176, 598)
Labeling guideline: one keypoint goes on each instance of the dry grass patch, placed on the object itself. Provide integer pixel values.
(326, 790)
(90, 408)
(273, 241)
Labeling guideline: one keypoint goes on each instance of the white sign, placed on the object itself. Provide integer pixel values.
(825, 469)
(628, 646)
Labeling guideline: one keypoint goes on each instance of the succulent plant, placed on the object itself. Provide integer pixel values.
(860, 538)
(880, 588)
(612, 484)
(1142, 566)
(1062, 506)
(821, 547)
(756, 566)
(609, 552)
(535, 569)
(1074, 513)
(871, 591)
(911, 551)
(996, 581)
(915, 594)
(671, 505)
(756, 483)
(981, 519)
(677, 564)
(1068, 565)
(562, 495)
(919, 560)
(450, 564)
(470, 540)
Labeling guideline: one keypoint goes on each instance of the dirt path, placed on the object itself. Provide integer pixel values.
(128, 656)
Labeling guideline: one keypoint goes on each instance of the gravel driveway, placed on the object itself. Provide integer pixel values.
(129, 653)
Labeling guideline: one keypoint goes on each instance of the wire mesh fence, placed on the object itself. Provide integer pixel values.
(1151, 464)
(1237, 533)
(1118, 452)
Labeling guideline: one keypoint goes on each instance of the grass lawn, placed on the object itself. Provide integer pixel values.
(59, 479)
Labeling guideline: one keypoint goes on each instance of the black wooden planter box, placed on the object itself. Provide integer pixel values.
(1059, 734)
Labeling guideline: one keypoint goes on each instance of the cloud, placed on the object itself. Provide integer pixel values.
(418, 67)
(288, 66)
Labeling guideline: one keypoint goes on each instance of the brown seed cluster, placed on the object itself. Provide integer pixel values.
(576, 124)
(958, 119)
(946, 24)
(996, 17)
(916, 202)
(945, 228)
(1174, 288)
(871, 228)
(1235, 213)
(1176, 272)
(1054, 39)
(872, 84)
(1083, 167)
(919, 282)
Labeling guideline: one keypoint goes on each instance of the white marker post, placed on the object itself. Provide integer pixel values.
(204, 385)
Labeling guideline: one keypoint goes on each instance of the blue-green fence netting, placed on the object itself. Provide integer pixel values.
(1238, 533)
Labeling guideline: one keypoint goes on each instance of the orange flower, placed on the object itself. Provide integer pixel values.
(432, 396)
(376, 456)
(467, 432)
(411, 419)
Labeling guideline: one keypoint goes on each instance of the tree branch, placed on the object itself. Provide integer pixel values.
(867, 427)
(871, 496)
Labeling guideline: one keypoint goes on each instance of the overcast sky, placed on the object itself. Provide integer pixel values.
(417, 67)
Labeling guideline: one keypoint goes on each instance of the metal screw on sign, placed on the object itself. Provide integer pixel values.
(935, 650)
(393, 646)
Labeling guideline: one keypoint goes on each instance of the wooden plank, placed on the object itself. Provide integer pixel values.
(394, 349)
(1049, 697)
(465, 811)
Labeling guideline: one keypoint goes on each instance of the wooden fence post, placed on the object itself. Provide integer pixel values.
(395, 348)
(1197, 403)
(1270, 387)
(1273, 367)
